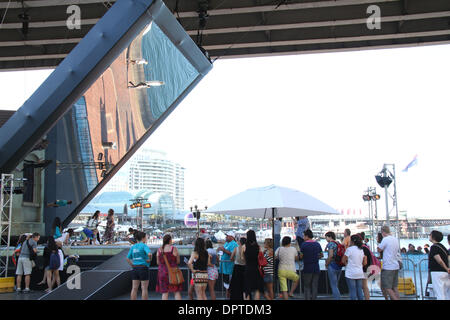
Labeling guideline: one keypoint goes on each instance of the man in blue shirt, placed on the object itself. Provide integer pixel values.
(88, 236)
(302, 226)
(226, 267)
(139, 258)
(311, 252)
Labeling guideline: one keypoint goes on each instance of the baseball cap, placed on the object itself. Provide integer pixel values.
(230, 233)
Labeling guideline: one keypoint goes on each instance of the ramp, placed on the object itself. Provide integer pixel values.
(105, 282)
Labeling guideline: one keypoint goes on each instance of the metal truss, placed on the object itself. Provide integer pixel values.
(6, 198)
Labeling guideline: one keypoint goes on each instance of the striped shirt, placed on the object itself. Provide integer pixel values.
(268, 269)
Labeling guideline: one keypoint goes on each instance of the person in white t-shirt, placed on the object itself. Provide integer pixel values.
(64, 239)
(354, 260)
(287, 255)
(390, 248)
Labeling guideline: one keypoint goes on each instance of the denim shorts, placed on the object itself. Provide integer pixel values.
(268, 278)
(140, 273)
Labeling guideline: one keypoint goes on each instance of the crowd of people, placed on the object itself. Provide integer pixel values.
(249, 270)
(53, 262)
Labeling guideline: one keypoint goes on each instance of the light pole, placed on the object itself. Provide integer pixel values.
(140, 204)
(196, 213)
(371, 197)
(384, 179)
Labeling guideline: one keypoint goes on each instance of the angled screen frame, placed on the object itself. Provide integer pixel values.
(80, 69)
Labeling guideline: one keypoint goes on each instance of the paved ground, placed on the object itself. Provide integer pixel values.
(35, 295)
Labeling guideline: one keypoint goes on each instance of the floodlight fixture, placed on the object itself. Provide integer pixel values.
(383, 181)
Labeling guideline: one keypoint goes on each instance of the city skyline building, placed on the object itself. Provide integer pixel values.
(150, 169)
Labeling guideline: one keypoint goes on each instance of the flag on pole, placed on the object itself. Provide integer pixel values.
(411, 164)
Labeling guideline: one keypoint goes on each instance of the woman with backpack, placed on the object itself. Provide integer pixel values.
(354, 260)
(46, 255)
(333, 267)
(54, 265)
(371, 261)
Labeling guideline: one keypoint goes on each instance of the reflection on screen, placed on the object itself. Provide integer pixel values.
(114, 113)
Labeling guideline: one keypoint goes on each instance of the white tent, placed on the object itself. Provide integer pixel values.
(220, 235)
(272, 201)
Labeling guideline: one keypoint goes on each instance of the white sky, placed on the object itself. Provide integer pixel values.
(322, 123)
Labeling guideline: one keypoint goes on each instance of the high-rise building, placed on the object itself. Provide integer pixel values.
(119, 182)
(150, 169)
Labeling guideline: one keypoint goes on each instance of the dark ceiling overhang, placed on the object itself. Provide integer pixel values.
(234, 28)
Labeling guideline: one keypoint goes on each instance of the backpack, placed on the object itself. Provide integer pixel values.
(340, 252)
(262, 262)
(374, 261)
(16, 254)
(54, 261)
(33, 255)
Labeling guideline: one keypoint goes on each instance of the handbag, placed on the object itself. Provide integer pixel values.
(448, 256)
(262, 261)
(201, 277)
(175, 274)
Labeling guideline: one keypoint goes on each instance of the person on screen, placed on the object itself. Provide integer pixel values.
(108, 236)
(59, 203)
(137, 61)
(145, 84)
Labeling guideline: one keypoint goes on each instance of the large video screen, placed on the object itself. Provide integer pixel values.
(115, 113)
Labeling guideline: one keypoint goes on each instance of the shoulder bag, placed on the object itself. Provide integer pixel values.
(175, 274)
(262, 262)
(33, 255)
(448, 256)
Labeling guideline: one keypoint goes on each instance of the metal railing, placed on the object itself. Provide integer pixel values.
(221, 276)
(421, 281)
(410, 264)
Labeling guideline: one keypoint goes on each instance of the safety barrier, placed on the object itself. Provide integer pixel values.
(413, 259)
(413, 266)
(422, 293)
(221, 276)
